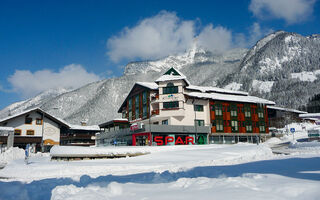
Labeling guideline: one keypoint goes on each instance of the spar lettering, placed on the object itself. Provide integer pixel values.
(169, 139)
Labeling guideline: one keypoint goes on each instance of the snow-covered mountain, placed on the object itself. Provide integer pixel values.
(41, 98)
(283, 67)
(99, 101)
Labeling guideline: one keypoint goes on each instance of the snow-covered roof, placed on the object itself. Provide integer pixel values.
(35, 109)
(112, 121)
(173, 76)
(150, 85)
(19, 114)
(61, 121)
(2, 128)
(121, 119)
(86, 128)
(308, 115)
(208, 89)
(287, 109)
(229, 97)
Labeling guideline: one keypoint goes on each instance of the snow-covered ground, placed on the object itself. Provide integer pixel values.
(242, 171)
(239, 171)
(161, 159)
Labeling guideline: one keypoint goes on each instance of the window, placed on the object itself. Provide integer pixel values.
(172, 104)
(219, 125)
(233, 113)
(137, 103)
(137, 113)
(165, 122)
(262, 127)
(170, 89)
(199, 122)
(144, 105)
(17, 131)
(144, 97)
(234, 125)
(130, 108)
(38, 121)
(144, 111)
(30, 132)
(218, 110)
(260, 112)
(249, 126)
(28, 120)
(247, 112)
(198, 108)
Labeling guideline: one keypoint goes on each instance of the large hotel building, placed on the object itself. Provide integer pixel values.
(172, 111)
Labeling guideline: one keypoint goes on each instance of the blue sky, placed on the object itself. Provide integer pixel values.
(50, 44)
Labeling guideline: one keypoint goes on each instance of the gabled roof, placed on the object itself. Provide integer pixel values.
(148, 85)
(171, 75)
(206, 89)
(53, 118)
(229, 97)
(37, 109)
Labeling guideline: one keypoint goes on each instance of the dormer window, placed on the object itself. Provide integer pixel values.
(170, 89)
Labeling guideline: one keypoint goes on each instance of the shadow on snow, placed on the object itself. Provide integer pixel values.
(41, 189)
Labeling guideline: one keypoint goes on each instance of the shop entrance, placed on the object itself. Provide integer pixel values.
(141, 139)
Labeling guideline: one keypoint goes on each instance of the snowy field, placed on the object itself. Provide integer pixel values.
(241, 171)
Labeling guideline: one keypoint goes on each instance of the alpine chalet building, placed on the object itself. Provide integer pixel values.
(172, 111)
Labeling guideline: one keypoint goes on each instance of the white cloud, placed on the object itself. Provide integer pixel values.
(152, 38)
(166, 34)
(28, 84)
(217, 39)
(292, 11)
(163, 35)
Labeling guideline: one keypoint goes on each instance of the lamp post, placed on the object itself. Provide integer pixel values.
(42, 131)
(195, 121)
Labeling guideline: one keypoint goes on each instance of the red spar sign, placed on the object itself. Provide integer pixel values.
(169, 139)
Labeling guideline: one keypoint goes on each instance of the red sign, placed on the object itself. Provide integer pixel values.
(169, 139)
(134, 127)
